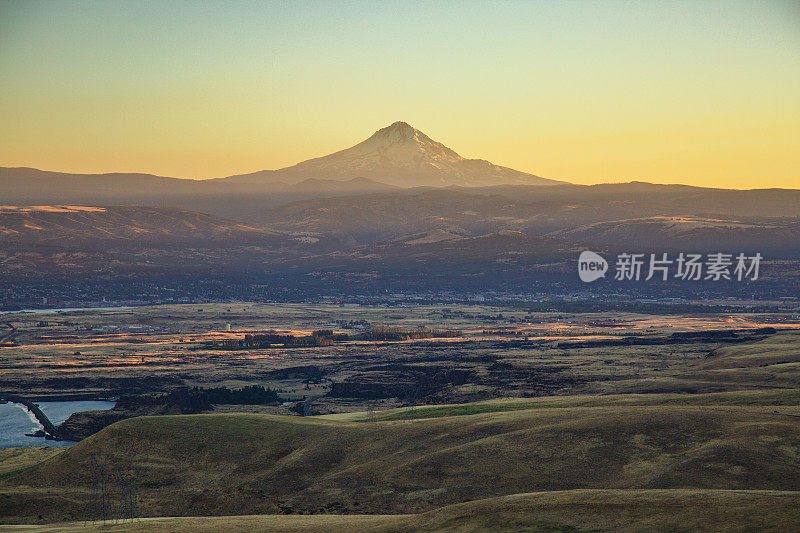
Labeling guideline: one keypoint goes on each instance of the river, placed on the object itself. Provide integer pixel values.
(64, 310)
(16, 421)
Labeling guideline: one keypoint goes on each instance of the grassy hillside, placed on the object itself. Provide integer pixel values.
(618, 510)
(568, 511)
(15, 459)
(783, 400)
(89, 227)
(772, 362)
(259, 464)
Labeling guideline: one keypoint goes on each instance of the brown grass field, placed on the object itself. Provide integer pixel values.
(247, 464)
(557, 511)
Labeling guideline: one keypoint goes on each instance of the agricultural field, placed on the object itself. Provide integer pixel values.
(496, 352)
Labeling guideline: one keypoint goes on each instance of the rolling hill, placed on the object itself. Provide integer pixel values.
(658, 217)
(443, 252)
(364, 219)
(693, 234)
(265, 464)
(124, 225)
(556, 511)
(29, 186)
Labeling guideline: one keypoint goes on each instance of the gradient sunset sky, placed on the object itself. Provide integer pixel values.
(702, 93)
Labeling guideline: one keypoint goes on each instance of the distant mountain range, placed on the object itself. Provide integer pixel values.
(397, 156)
(693, 234)
(30, 186)
(645, 215)
(634, 214)
(397, 211)
(395, 162)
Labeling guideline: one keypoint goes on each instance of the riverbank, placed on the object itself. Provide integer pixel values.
(18, 423)
(49, 429)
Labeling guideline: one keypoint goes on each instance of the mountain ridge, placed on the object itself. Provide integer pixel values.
(97, 226)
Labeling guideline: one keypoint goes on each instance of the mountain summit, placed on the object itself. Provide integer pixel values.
(398, 155)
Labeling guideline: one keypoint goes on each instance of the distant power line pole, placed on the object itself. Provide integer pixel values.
(97, 508)
(100, 500)
(127, 483)
(412, 402)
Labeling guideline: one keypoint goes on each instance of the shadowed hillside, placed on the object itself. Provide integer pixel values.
(123, 225)
(772, 362)
(662, 216)
(261, 464)
(693, 234)
(567, 511)
(30, 186)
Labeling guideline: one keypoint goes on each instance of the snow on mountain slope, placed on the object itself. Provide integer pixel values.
(402, 156)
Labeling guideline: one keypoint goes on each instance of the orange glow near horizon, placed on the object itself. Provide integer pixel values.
(587, 92)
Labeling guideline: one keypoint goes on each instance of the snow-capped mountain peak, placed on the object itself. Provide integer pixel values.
(403, 156)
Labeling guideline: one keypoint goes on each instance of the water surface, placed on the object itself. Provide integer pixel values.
(66, 310)
(16, 421)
